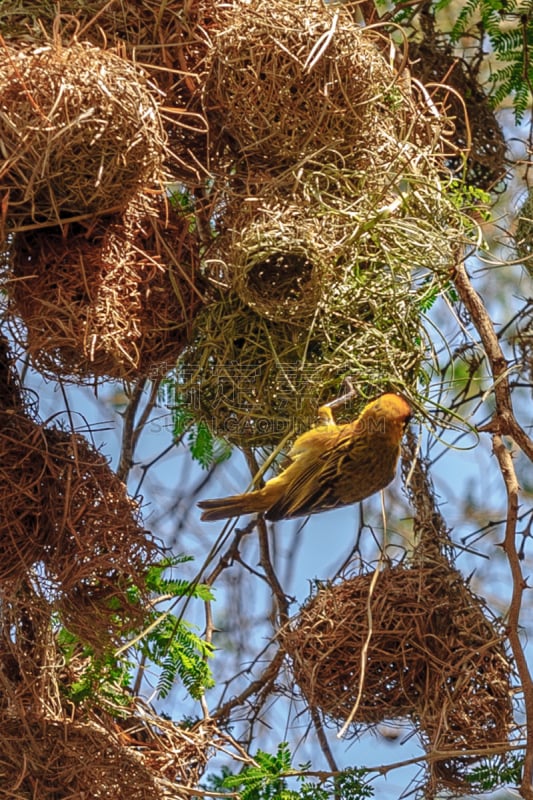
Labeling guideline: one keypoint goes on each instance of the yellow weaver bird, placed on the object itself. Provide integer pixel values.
(328, 466)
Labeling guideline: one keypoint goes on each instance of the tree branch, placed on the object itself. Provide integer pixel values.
(519, 585)
(504, 421)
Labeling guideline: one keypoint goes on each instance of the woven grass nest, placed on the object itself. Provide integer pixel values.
(81, 133)
(167, 40)
(254, 381)
(67, 513)
(116, 300)
(135, 759)
(289, 80)
(523, 234)
(477, 133)
(433, 656)
(279, 257)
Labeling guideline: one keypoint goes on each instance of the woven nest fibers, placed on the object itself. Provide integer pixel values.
(70, 759)
(116, 301)
(254, 381)
(66, 512)
(280, 259)
(523, 235)
(81, 133)
(477, 133)
(290, 79)
(432, 656)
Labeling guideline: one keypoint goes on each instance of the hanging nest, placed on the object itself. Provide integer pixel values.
(477, 136)
(168, 40)
(52, 747)
(67, 513)
(432, 655)
(100, 550)
(523, 235)
(254, 381)
(81, 133)
(24, 482)
(278, 258)
(117, 300)
(288, 81)
(137, 760)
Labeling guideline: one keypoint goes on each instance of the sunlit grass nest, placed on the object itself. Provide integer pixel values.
(139, 759)
(81, 133)
(431, 655)
(67, 513)
(254, 381)
(288, 80)
(167, 40)
(477, 136)
(116, 300)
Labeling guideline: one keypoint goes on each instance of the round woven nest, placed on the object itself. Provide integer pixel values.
(279, 258)
(81, 133)
(67, 513)
(168, 40)
(117, 300)
(288, 80)
(433, 656)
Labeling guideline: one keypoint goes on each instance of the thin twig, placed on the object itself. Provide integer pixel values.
(261, 684)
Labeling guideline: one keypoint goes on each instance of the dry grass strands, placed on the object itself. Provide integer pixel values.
(116, 301)
(81, 133)
(478, 137)
(25, 481)
(432, 655)
(100, 548)
(290, 80)
(67, 515)
(166, 39)
(53, 759)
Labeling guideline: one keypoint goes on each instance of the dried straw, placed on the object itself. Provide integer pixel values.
(288, 81)
(68, 516)
(419, 645)
(49, 758)
(168, 40)
(117, 300)
(81, 133)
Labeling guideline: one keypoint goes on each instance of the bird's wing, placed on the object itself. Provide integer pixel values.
(312, 477)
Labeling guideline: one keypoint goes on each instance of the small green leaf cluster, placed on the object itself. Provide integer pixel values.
(168, 643)
(268, 779)
(205, 448)
(496, 772)
(508, 24)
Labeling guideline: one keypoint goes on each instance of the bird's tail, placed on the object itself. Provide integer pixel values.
(234, 506)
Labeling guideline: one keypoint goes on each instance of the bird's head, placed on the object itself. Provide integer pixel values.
(388, 414)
